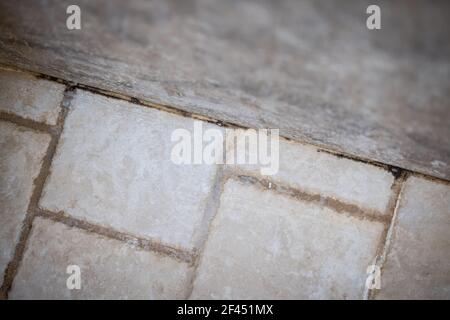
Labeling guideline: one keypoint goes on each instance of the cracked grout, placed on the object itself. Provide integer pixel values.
(386, 238)
(394, 170)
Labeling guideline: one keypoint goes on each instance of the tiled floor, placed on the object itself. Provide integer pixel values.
(268, 245)
(22, 152)
(112, 167)
(418, 262)
(87, 180)
(111, 269)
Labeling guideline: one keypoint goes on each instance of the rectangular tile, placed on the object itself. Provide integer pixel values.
(109, 269)
(264, 245)
(418, 263)
(21, 155)
(113, 167)
(31, 98)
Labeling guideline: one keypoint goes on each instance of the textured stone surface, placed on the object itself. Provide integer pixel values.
(310, 68)
(21, 154)
(305, 168)
(418, 264)
(110, 269)
(113, 168)
(268, 246)
(28, 97)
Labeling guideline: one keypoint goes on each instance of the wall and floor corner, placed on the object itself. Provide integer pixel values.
(85, 172)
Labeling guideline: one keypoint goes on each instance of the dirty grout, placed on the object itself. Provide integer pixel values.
(211, 211)
(180, 255)
(394, 170)
(38, 185)
(26, 123)
(386, 238)
(336, 205)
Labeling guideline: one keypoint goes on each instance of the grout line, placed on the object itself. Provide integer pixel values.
(329, 202)
(158, 106)
(394, 170)
(38, 183)
(385, 244)
(428, 177)
(396, 188)
(211, 210)
(181, 255)
(180, 111)
(27, 123)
